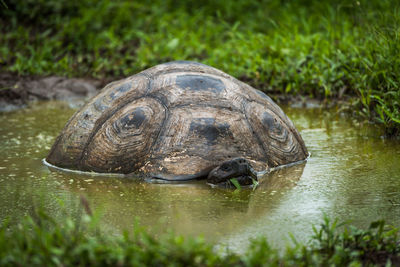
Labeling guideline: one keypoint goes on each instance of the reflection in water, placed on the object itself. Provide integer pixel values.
(352, 175)
(188, 208)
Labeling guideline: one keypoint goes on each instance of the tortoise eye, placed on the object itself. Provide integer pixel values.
(225, 167)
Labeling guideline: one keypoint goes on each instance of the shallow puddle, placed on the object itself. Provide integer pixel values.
(352, 175)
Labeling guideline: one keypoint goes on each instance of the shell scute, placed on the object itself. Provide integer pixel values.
(124, 140)
(200, 83)
(131, 120)
(209, 129)
(68, 148)
(118, 91)
(276, 137)
(182, 67)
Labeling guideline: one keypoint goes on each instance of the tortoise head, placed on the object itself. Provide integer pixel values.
(238, 168)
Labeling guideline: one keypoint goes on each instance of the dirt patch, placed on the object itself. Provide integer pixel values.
(16, 91)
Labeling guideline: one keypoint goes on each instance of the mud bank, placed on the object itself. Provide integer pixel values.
(17, 91)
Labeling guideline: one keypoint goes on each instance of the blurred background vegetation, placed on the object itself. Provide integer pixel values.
(321, 49)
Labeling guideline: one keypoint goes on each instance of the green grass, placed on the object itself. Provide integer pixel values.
(322, 49)
(40, 240)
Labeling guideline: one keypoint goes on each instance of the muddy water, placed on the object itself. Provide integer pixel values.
(353, 175)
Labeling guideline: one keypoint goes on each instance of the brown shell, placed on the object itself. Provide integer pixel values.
(177, 121)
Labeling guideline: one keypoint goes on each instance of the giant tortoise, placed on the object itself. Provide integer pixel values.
(179, 121)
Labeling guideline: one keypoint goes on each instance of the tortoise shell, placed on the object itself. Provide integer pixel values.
(177, 121)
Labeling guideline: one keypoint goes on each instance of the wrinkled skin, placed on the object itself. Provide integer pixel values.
(238, 168)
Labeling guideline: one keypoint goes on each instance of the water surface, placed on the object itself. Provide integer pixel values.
(352, 175)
